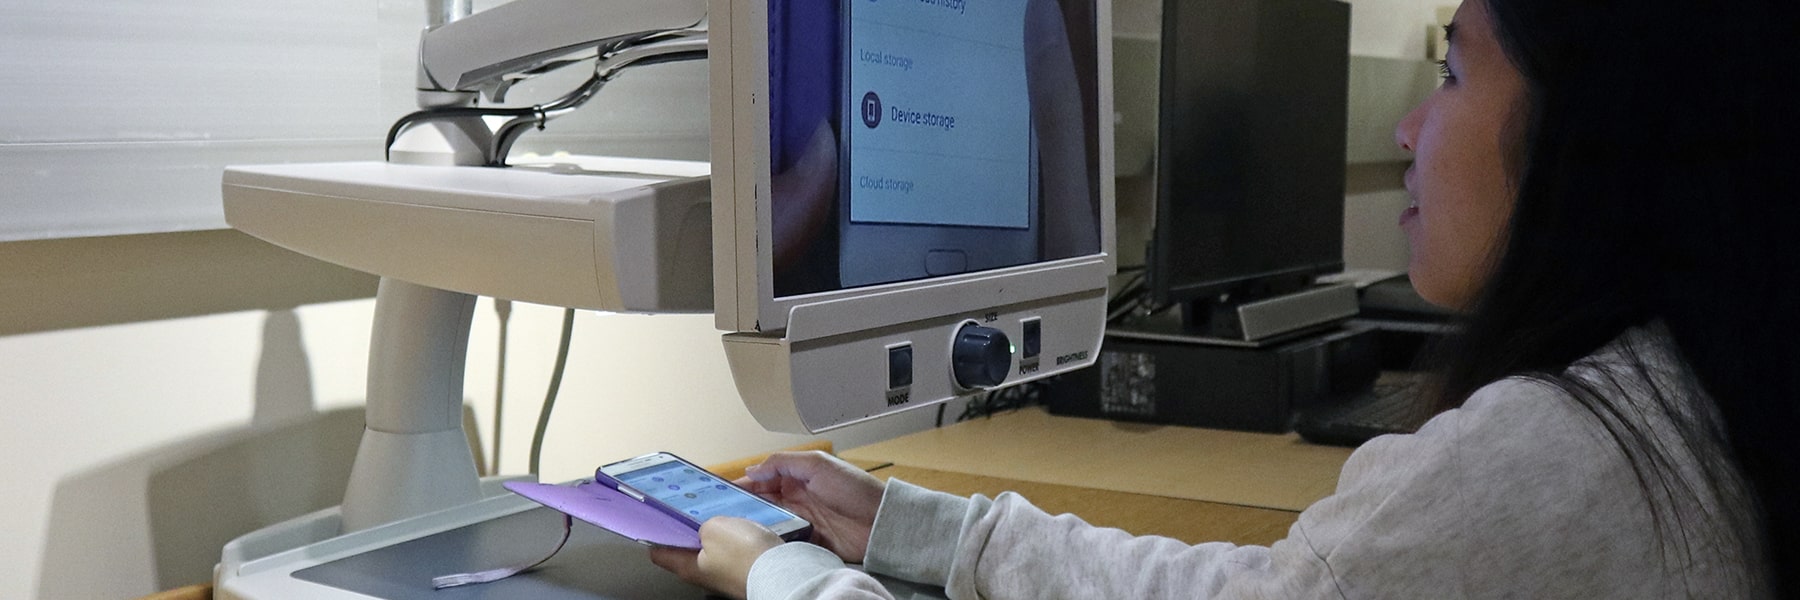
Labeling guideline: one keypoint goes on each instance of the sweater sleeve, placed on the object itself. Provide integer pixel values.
(1517, 494)
(1007, 548)
(1477, 503)
(797, 570)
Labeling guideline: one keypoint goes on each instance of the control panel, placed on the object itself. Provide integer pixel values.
(812, 385)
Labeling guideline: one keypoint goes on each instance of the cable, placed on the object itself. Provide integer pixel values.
(503, 308)
(612, 58)
(1005, 400)
(492, 575)
(556, 375)
(1132, 285)
(438, 114)
(1131, 297)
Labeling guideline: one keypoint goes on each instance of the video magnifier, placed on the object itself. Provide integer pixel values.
(907, 202)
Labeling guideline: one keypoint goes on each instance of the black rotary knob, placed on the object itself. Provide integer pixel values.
(980, 357)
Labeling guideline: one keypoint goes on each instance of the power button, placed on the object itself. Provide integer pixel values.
(1034, 338)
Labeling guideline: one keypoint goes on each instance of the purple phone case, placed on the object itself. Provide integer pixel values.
(600, 477)
(613, 511)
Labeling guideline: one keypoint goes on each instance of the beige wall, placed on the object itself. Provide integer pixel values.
(140, 436)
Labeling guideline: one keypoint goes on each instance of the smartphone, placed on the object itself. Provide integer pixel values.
(693, 495)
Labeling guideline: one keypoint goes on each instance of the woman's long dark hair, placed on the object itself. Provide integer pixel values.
(1659, 182)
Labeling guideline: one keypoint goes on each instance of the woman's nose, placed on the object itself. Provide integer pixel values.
(1406, 133)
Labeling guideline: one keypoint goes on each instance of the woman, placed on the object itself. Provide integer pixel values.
(1608, 189)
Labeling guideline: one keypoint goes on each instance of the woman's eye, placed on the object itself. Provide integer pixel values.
(1444, 71)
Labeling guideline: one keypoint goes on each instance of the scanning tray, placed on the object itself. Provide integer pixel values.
(593, 566)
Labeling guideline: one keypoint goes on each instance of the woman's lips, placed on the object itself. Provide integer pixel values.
(1412, 205)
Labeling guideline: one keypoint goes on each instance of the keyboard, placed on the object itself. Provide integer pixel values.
(1393, 405)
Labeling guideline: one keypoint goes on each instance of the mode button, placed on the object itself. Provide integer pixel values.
(900, 366)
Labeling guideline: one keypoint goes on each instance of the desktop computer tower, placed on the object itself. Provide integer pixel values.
(1179, 380)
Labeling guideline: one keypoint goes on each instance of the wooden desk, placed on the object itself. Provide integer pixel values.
(1195, 485)
(1191, 521)
(1228, 467)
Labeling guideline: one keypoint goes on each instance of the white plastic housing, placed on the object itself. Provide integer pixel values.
(830, 369)
(609, 234)
(818, 361)
(516, 37)
(414, 457)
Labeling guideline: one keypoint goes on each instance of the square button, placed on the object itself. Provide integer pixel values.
(900, 366)
(1034, 342)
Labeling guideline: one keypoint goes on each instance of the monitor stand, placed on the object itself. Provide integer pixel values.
(1252, 323)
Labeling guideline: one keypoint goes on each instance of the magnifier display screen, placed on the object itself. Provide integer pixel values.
(945, 123)
(921, 138)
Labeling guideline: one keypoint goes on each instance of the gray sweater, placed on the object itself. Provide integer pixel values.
(1518, 494)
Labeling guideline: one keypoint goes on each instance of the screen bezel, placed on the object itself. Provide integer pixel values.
(793, 528)
(743, 283)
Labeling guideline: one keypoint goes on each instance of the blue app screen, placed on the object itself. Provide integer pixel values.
(939, 119)
(699, 494)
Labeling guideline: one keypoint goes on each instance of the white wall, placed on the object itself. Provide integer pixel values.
(120, 113)
(117, 110)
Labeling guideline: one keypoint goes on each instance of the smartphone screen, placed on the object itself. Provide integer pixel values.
(699, 495)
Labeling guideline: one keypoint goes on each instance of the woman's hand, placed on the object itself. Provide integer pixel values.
(839, 499)
(729, 546)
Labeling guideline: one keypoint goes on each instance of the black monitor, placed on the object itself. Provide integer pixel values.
(1250, 154)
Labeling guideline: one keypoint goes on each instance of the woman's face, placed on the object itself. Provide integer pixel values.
(1461, 138)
